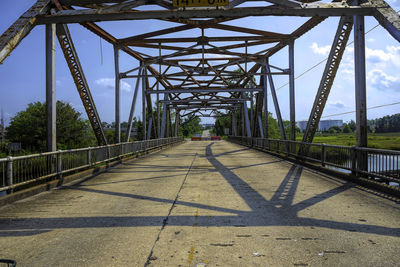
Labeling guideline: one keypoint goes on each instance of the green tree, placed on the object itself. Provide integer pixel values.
(191, 125)
(347, 129)
(221, 123)
(29, 128)
(352, 125)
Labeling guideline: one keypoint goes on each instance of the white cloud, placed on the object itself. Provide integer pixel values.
(382, 81)
(320, 50)
(371, 40)
(376, 55)
(337, 104)
(109, 83)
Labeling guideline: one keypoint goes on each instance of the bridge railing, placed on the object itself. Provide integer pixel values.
(377, 164)
(23, 170)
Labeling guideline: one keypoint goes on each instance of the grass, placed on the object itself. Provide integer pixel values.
(381, 140)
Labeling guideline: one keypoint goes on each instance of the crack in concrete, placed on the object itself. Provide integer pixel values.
(165, 221)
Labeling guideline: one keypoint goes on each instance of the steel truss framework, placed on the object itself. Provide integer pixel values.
(205, 75)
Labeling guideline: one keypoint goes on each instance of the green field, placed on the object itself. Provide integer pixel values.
(382, 141)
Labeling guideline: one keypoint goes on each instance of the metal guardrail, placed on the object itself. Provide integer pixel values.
(22, 170)
(376, 164)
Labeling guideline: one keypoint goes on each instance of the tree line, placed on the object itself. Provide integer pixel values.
(28, 127)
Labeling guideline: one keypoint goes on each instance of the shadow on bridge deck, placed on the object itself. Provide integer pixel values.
(216, 203)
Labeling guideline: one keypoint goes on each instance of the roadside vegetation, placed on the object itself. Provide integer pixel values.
(384, 133)
(28, 127)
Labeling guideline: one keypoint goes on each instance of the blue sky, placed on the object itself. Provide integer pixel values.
(22, 74)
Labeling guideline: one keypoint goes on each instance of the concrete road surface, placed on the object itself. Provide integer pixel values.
(206, 133)
(204, 204)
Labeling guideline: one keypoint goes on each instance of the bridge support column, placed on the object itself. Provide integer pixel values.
(51, 86)
(246, 117)
(234, 123)
(360, 89)
(117, 97)
(292, 97)
(164, 117)
(264, 84)
(177, 119)
(144, 104)
(133, 106)
(292, 92)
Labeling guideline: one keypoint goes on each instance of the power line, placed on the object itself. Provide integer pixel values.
(350, 112)
(322, 61)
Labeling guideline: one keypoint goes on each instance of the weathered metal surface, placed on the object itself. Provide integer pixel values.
(387, 18)
(335, 56)
(68, 48)
(51, 106)
(10, 39)
(117, 97)
(321, 9)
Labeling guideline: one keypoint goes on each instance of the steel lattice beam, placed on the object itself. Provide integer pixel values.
(318, 9)
(332, 65)
(68, 48)
(10, 39)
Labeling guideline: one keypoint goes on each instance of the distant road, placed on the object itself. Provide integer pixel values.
(206, 133)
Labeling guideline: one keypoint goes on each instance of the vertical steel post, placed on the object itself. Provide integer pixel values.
(51, 86)
(59, 164)
(144, 104)
(242, 133)
(292, 97)
(292, 92)
(234, 123)
(246, 117)
(167, 122)
(260, 126)
(133, 106)
(164, 117)
(117, 97)
(149, 129)
(158, 95)
(360, 83)
(89, 156)
(177, 118)
(360, 88)
(252, 122)
(323, 155)
(9, 171)
(265, 87)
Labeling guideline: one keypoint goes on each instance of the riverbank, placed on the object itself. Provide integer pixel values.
(381, 140)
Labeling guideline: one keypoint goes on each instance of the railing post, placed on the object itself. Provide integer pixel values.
(89, 156)
(59, 164)
(354, 160)
(323, 155)
(9, 172)
(108, 152)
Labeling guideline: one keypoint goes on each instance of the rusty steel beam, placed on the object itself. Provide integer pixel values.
(68, 48)
(317, 9)
(201, 40)
(335, 56)
(10, 39)
(388, 18)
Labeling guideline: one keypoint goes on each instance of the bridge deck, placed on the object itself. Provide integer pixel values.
(203, 202)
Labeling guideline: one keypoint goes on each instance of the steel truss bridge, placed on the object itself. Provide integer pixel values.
(195, 74)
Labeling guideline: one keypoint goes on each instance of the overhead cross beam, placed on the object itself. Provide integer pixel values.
(317, 9)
